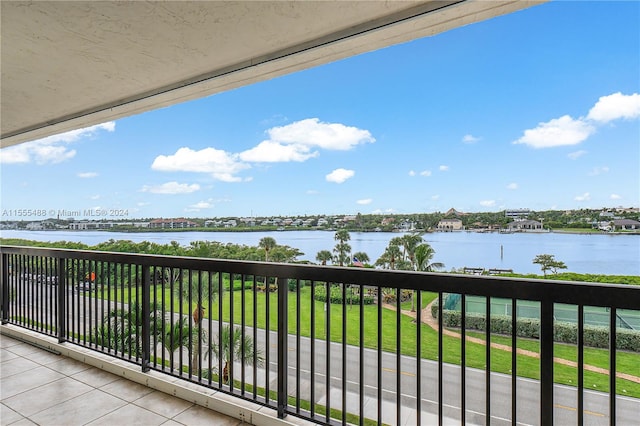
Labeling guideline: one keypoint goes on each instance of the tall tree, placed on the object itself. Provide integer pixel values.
(176, 336)
(231, 346)
(267, 244)
(324, 256)
(342, 248)
(362, 257)
(410, 242)
(423, 255)
(548, 262)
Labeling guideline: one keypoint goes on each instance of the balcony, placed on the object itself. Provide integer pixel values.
(334, 345)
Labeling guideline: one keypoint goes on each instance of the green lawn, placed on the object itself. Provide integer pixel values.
(475, 353)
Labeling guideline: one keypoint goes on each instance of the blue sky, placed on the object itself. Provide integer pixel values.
(537, 109)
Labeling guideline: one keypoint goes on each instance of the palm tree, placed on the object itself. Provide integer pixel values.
(231, 345)
(175, 336)
(121, 329)
(361, 256)
(423, 255)
(267, 243)
(324, 256)
(393, 255)
(410, 242)
(342, 249)
(196, 289)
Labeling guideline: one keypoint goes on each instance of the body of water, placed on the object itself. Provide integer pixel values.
(583, 253)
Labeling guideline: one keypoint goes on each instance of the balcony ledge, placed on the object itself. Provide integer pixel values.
(217, 401)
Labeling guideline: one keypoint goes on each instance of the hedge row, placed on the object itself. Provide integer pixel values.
(563, 332)
(336, 296)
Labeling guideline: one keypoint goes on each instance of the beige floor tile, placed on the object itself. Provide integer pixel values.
(126, 389)
(17, 366)
(7, 415)
(24, 422)
(27, 380)
(23, 349)
(130, 415)
(163, 404)
(47, 396)
(6, 355)
(44, 357)
(80, 410)
(95, 377)
(68, 366)
(197, 415)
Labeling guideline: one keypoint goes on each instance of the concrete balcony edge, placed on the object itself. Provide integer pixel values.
(221, 402)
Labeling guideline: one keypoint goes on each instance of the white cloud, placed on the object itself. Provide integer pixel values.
(386, 211)
(412, 173)
(95, 197)
(584, 197)
(297, 141)
(615, 197)
(615, 106)
(340, 175)
(569, 131)
(219, 164)
(52, 149)
(201, 205)
(142, 204)
(311, 132)
(470, 139)
(293, 142)
(312, 192)
(576, 154)
(365, 201)
(557, 132)
(425, 173)
(171, 188)
(512, 185)
(87, 175)
(38, 152)
(276, 152)
(488, 203)
(598, 171)
(435, 197)
(444, 168)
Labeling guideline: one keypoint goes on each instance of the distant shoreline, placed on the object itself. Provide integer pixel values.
(267, 229)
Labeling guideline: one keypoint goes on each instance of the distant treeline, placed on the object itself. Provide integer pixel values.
(207, 249)
(279, 253)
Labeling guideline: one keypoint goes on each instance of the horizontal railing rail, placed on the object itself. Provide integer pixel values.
(330, 344)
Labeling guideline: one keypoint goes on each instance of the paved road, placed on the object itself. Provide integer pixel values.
(528, 391)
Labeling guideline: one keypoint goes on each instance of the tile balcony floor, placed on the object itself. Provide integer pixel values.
(41, 388)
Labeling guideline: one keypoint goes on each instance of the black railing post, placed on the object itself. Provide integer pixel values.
(283, 347)
(62, 299)
(546, 362)
(146, 318)
(5, 287)
(612, 365)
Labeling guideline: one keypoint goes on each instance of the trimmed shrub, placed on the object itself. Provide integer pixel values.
(563, 332)
(335, 296)
(293, 284)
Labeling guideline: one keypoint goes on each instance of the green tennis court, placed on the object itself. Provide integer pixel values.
(598, 316)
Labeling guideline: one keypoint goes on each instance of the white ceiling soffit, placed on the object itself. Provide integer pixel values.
(68, 65)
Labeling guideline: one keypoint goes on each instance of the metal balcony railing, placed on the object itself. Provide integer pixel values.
(333, 345)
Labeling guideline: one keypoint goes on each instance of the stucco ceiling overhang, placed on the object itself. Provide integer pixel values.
(68, 65)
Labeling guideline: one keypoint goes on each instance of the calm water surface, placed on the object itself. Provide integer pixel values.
(589, 253)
